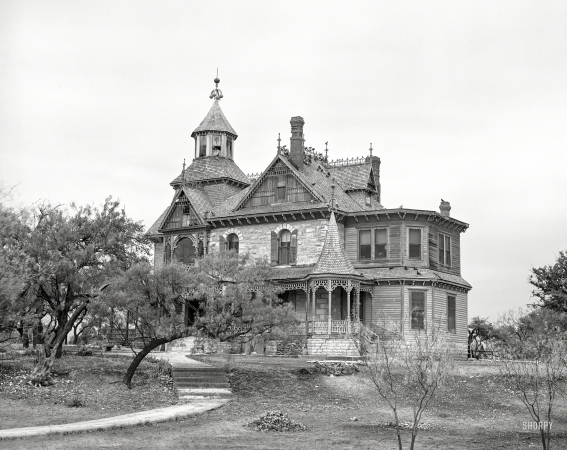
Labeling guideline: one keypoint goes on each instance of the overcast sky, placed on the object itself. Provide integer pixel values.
(465, 101)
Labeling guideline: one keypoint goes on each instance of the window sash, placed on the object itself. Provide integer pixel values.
(417, 310)
(364, 244)
(380, 243)
(415, 243)
(445, 250)
(452, 313)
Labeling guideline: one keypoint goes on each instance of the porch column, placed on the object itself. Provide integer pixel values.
(307, 312)
(313, 301)
(358, 306)
(330, 316)
(348, 312)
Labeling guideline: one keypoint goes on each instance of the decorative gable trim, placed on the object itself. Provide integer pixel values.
(174, 204)
(262, 177)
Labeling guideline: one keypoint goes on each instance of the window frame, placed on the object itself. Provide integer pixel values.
(280, 248)
(454, 314)
(228, 242)
(360, 231)
(445, 255)
(409, 244)
(411, 308)
(387, 243)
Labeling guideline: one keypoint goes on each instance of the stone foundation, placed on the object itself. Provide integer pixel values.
(333, 347)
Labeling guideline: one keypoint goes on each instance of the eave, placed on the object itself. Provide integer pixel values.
(387, 215)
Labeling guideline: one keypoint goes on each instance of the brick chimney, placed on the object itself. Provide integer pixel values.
(445, 208)
(296, 153)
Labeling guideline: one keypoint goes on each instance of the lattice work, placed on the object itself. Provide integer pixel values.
(295, 286)
(345, 284)
(316, 284)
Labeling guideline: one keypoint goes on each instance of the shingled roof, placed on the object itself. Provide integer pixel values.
(333, 258)
(401, 273)
(212, 168)
(215, 121)
(353, 177)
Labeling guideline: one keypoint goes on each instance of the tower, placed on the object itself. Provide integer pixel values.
(214, 136)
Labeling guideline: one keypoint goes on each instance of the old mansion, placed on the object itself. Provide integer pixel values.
(340, 255)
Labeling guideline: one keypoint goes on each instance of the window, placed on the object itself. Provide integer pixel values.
(284, 248)
(185, 251)
(216, 145)
(444, 250)
(415, 243)
(368, 199)
(229, 148)
(232, 240)
(189, 217)
(203, 146)
(280, 189)
(417, 311)
(380, 243)
(451, 313)
(167, 253)
(364, 244)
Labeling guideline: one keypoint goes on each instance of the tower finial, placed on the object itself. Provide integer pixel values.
(279, 144)
(332, 203)
(183, 164)
(326, 152)
(371, 149)
(216, 93)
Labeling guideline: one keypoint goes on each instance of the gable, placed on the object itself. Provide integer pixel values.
(181, 214)
(278, 184)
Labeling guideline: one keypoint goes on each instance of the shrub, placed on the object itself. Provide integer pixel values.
(336, 368)
(275, 421)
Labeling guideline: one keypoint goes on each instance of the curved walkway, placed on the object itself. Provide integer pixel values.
(138, 418)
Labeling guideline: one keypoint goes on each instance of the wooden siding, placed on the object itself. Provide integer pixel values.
(455, 267)
(386, 306)
(440, 307)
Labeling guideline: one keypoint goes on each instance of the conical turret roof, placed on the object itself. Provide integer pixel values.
(215, 121)
(333, 258)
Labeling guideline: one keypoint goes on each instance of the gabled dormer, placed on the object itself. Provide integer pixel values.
(181, 214)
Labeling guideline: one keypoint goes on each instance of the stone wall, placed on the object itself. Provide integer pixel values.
(255, 239)
(333, 347)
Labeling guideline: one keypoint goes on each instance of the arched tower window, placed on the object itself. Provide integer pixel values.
(185, 251)
(232, 242)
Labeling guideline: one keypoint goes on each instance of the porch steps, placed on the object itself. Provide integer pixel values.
(201, 382)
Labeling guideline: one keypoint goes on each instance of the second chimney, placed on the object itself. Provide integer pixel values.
(296, 153)
(445, 208)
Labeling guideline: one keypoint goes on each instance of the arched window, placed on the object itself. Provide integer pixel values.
(284, 252)
(232, 242)
(185, 251)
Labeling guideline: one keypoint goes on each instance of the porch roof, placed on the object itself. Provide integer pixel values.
(413, 273)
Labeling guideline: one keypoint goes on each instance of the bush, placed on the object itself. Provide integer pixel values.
(336, 368)
(275, 421)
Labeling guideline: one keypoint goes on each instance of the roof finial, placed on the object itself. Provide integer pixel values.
(216, 93)
(183, 172)
(326, 152)
(332, 203)
(183, 164)
(279, 144)
(371, 149)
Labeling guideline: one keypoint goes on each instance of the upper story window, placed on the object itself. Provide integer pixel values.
(280, 189)
(284, 251)
(202, 145)
(451, 313)
(232, 242)
(380, 243)
(365, 244)
(415, 243)
(417, 310)
(189, 218)
(217, 141)
(444, 249)
(229, 148)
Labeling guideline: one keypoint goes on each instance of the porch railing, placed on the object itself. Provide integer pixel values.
(337, 327)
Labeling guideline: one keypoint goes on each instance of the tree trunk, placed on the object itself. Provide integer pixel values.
(41, 374)
(127, 380)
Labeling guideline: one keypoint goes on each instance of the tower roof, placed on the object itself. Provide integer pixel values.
(215, 121)
(333, 258)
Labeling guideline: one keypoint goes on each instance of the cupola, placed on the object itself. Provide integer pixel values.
(214, 136)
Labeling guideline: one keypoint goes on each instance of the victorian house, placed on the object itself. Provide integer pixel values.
(342, 257)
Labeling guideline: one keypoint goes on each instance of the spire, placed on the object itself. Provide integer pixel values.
(216, 93)
(371, 149)
(333, 258)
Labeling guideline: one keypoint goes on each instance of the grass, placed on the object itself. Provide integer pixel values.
(339, 412)
(85, 388)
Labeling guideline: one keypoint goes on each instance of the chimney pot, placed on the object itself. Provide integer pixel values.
(445, 208)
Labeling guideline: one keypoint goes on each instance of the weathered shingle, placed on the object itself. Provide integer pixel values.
(215, 121)
(333, 258)
(211, 168)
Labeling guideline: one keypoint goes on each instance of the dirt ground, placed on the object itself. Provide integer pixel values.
(473, 412)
